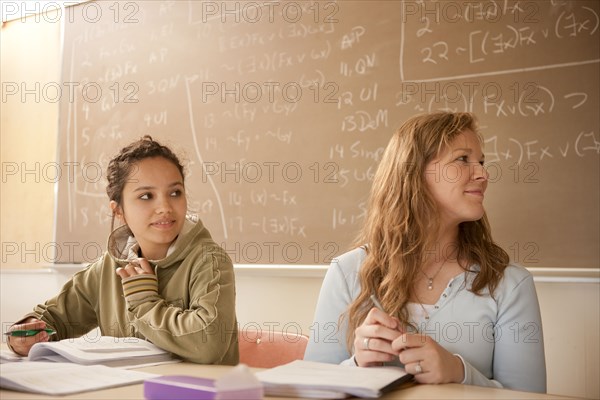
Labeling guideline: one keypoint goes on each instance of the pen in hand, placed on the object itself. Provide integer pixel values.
(29, 332)
(377, 304)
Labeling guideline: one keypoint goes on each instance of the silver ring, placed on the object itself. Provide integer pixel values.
(418, 369)
(366, 343)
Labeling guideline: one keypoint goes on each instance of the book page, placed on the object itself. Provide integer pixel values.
(9, 356)
(106, 350)
(64, 378)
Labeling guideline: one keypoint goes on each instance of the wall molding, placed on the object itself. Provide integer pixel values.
(31, 271)
(558, 275)
(571, 275)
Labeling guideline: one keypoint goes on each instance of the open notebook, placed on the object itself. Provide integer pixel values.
(330, 381)
(106, 350)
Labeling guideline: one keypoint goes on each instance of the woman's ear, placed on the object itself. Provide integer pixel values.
(117, 211)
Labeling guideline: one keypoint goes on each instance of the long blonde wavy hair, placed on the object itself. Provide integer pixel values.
(402, 221)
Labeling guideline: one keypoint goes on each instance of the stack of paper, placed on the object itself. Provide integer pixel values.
(330, 381)
(64, 378)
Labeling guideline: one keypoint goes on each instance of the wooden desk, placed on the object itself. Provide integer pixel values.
(453, 391)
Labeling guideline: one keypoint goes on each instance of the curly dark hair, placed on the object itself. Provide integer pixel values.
(120, 167)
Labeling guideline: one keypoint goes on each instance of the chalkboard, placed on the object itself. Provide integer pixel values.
(282, 111)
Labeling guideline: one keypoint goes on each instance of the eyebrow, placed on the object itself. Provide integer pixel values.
(142, 188)
(467, 150)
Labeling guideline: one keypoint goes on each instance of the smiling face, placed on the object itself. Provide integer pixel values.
(457, 180)
(153, 205)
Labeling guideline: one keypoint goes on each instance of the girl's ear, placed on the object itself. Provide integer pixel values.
(117, 211)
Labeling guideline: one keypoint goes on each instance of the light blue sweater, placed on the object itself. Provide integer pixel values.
(499, 340)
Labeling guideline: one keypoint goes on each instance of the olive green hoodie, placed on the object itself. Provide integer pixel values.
(191, 313)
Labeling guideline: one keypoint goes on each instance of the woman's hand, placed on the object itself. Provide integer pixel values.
(140, 266)
(373, 339)
(22, 344)
(427, 360)
(139, 282)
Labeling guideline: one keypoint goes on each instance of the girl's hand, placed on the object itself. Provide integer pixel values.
(427, 360)
(139, 282)
(140, 266)
(373, 339)
(22, 344)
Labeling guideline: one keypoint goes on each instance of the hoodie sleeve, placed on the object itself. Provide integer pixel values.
(205, 331)
(71, 313)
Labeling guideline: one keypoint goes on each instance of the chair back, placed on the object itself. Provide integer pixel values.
(268, 349)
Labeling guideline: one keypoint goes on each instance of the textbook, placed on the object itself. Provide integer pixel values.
(110, 351)
(330, 381)
(56, 378)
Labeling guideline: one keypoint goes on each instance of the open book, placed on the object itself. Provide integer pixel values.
(105, 350)
(64, 378)
(330, 381)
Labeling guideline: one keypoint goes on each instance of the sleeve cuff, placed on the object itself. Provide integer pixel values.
(350, 362)
(464, 364)
(138, 288)
(476, 378)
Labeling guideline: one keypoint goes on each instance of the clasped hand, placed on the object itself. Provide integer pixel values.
(381, 338)
(140, 266)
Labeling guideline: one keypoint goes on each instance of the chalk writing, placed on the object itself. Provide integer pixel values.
(282, 113)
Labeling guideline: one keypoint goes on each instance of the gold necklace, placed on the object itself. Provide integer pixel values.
(431, 278)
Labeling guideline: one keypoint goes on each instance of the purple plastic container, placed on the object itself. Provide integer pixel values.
(183, 387)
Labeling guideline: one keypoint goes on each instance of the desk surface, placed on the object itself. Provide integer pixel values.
(453, 391)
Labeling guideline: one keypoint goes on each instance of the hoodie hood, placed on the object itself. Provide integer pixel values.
(124, 248)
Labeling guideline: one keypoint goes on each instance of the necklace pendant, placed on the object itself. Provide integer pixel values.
(430, 284)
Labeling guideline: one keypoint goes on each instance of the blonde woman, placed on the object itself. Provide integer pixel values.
(455, 309)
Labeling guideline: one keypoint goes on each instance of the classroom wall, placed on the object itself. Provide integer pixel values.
(265, 297)
(28, 139)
